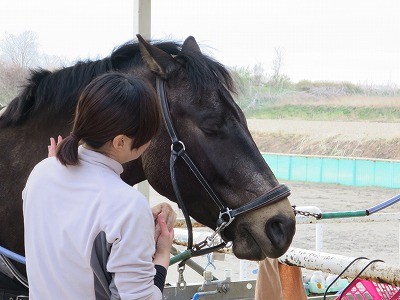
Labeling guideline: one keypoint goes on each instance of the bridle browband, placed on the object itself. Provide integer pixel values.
(226, 214)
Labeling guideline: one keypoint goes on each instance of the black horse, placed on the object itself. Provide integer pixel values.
(205, 116)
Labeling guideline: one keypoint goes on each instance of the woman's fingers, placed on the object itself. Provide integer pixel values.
(52, 148)
(164, 230)
(169, 213)
(161, 221)
(52, 142)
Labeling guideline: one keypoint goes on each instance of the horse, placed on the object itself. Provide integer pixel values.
(200, 94)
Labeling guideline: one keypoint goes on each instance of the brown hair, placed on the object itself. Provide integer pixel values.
(110, 105)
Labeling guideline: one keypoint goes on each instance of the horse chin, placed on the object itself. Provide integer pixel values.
(247, 246)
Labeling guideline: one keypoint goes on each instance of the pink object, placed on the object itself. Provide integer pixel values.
(363, 289)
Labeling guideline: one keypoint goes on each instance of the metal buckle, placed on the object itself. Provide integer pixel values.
(225, 218)
(181, 284)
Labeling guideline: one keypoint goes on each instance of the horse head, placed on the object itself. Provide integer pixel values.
(215, 135)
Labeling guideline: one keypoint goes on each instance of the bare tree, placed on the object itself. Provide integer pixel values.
(258, 72)
(52, 62)
(19, 54)
(277, 64)
(20, 49)
(11, 79)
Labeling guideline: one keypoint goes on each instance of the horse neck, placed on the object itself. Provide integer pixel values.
(133, 172)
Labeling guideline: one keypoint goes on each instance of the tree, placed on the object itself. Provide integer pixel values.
(20, 49)
(278, 79)
(19, 54)
(258, 72)
(277, 65)
(11, 79)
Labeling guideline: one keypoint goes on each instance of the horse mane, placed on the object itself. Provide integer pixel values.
(52, 92)
(57, 92)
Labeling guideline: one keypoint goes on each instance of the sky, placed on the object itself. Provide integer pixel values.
(331, 40)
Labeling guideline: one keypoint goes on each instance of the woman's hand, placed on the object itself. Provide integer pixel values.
(163, 242)
(169, 217)
(53, 146)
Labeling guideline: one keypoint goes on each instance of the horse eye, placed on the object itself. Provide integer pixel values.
(212, 127)
(210, 131)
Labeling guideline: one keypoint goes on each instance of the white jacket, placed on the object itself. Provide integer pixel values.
(88, 235)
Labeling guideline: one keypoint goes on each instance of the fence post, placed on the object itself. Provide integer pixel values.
(319, 237)
(319, 228)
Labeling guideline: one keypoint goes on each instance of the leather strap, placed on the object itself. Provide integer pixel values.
(277, 193)
(178, 147)
(12, 295)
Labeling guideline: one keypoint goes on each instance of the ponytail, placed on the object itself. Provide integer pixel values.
(67, 150)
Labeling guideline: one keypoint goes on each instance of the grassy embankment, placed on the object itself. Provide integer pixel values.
(322, 101)
(325, 102)
(327, 113)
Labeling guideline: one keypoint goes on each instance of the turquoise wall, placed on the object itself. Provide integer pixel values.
(342, 170)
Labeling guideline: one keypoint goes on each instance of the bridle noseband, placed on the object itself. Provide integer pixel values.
(178, 150)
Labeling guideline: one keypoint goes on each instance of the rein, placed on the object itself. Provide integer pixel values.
(226, 214)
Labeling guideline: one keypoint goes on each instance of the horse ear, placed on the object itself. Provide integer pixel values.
(156, 59)
(190, 45)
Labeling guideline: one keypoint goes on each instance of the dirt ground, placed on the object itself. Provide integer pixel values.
(351, 139)
(373, 240)
(354, 139)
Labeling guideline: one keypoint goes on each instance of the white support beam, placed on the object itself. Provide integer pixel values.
(334, 264)
(142, 26)
(142, 18)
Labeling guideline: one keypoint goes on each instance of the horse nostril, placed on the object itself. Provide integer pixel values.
(280, 231)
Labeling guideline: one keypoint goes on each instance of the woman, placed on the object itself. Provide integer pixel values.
(88, 235)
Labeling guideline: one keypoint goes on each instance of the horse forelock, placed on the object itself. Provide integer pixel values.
(128, 55)
(203, 71)
(206, 73)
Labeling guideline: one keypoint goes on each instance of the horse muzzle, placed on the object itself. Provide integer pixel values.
(280, 232)
(253, 241)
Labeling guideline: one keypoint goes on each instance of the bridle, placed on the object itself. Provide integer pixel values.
(226, 214)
